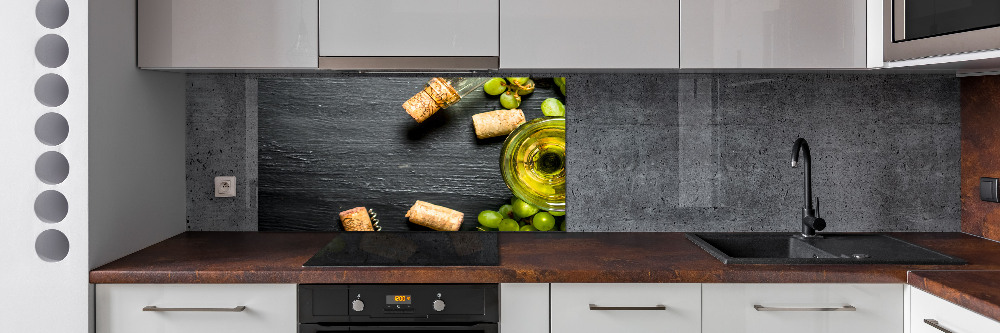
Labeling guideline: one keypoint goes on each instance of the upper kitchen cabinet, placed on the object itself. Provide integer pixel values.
(780, 34)
(589, 34)
(406, 34)
(220, 34)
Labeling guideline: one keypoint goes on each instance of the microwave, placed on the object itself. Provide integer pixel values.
(915, 29)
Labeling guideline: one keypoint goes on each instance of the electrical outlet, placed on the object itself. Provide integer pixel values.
(225, 186)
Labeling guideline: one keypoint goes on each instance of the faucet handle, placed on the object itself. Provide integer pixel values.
(817, 206)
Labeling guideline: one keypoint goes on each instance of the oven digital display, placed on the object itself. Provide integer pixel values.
(397, 299)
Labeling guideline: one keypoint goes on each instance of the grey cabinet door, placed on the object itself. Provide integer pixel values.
(774, 34)
(584, 34)
(409, 28)
(227, 34)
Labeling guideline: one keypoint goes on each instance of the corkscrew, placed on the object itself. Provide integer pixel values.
(374, 217)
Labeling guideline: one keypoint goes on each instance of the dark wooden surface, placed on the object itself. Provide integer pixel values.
(978, 291)
(980, 153)
(331, 144)
(248, 257)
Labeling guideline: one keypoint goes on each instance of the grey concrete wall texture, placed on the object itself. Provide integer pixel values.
(684, 152)
(221, 141)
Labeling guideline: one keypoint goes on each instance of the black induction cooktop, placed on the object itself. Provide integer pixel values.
(409, 248)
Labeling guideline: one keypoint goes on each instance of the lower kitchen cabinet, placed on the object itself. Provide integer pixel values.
(524, 308)
(196, 308)
(802, 308)
(626, 307)
(930, 314)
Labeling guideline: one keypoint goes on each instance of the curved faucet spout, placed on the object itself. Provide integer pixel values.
(803, 146)
(810, 222)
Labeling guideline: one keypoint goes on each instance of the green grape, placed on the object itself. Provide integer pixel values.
(543, 221)
(510, 100)
(482, 228)
(507, 211)
(509, 225)
(562, 227)
(523, 209)
(495, 86)
(490, 219)
(527, 88)
(517, 81)
(557, 213)
(528, 227)
(561, 82)
(552, 107)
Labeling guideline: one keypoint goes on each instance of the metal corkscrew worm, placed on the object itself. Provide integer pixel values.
(374, 217)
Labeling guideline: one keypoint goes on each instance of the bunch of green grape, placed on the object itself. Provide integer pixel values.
(510, 89)
(521, 216)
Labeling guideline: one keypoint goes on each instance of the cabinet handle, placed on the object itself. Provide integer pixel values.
(759, 307)
(935, 324)
(630, 308)
(234, 309)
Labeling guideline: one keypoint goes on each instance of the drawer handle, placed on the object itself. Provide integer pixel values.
(234, 309)
(629, 308)
(935, 324)
(759, 307)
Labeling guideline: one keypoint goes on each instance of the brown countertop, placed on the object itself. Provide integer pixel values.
(978, 291)
(252, 257)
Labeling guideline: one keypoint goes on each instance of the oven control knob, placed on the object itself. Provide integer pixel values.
(358, 305)
(438, 305)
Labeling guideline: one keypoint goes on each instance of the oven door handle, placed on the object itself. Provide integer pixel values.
(417, 327)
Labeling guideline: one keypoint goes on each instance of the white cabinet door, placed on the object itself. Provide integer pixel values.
(780, 308)
(524, 308)
(268, 308)
(626, 307)
(553, 34)
(951, 317)
(774, 34)
(409, 28)
(227, 34)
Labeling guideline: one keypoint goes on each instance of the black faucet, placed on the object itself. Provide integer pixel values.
(810, 222)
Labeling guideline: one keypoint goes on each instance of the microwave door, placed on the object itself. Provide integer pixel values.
(914, 29)
(916, 19)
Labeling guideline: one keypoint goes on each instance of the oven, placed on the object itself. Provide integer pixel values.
(392, 308)
(927, 28)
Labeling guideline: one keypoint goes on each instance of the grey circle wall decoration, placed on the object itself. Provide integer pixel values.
(52, 129)
(51, 90)
(51, 206)
(52, 168)
(52, 245)
(52, 13)
(51, 50)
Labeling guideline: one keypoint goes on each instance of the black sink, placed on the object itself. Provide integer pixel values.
(787, 248)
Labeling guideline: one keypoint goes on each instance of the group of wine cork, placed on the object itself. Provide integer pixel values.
(422, 213)
(439, 95)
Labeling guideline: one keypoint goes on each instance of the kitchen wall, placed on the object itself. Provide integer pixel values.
(980, 153)
(680, 152)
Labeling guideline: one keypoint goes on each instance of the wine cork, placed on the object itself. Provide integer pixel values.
(497, 123)
(356, 219)
(437, 95)
(434, 216)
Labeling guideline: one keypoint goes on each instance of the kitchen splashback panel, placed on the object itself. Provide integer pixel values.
(331, 144)
(654, 152)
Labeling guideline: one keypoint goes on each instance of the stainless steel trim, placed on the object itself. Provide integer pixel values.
(425, 64)
(158, 309)
(628, 308)
(963, 42)
(935, 324)
(759, 307)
